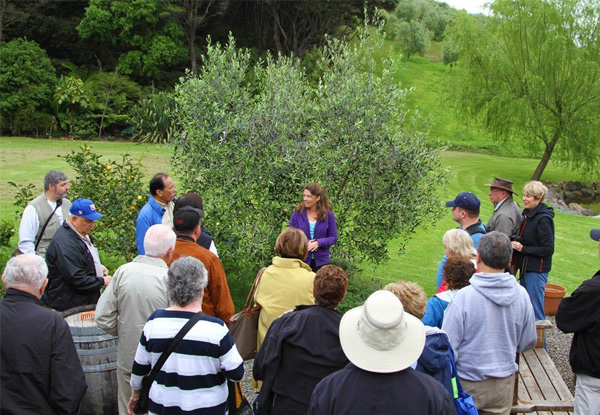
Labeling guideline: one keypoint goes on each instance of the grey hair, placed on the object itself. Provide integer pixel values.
(27, 270)
(53, 177)
(187, 280)
(495, 250)
(158, 240)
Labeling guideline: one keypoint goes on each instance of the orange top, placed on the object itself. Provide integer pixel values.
(217, 300)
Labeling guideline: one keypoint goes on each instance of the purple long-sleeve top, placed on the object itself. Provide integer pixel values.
(325, 234)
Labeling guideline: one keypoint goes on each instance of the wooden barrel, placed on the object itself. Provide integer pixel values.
(97, 351)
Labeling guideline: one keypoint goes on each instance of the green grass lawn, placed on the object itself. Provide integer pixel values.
(26, 160)
(576, 255)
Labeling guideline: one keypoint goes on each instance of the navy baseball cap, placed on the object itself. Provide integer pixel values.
(85, 208)
(465, 200)
(595, 234)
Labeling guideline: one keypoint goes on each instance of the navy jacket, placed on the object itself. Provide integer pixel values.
(353, 391)
(435, 359)
(580, 314)
(537, 237)
(40, 373)
(299, 350)
(72, 279)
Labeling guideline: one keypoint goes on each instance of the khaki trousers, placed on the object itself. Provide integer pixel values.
(124, 388)
(493, 395)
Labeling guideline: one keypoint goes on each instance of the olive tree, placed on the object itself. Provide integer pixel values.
(252, 136)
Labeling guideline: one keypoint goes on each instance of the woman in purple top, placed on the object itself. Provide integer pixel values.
(315, 218)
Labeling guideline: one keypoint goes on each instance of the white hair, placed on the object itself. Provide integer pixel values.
(459, 243)
(27, 271)
(158, 240)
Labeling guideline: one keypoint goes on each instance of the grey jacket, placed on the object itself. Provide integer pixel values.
(506, 219)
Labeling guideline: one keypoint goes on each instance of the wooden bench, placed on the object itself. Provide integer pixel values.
(539, 388)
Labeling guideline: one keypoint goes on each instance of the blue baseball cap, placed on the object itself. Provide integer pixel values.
(595, 234)
(85, 208)
(465, 200)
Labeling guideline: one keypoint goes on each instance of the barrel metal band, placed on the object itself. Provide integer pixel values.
(107, 367)
(90, 352)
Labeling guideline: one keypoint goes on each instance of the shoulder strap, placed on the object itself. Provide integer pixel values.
(252, 293)
(172, 345)
(39, 237)
(456, 386)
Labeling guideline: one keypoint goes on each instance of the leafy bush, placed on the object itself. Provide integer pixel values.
(7, 230)
(85, 107)
(449, 52)
(154, 118)
(117, 191)
(412, 38)
(27, 78)
(249, 147)
(22, 198)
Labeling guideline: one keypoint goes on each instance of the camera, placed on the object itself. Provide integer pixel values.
(516, 238)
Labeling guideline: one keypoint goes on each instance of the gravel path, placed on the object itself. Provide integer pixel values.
(558, 345)
(557, 342)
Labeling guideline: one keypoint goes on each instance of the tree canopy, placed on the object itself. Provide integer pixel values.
(532, 73)
(251, 138)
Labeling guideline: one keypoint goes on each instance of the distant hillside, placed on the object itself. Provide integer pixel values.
(432, 81)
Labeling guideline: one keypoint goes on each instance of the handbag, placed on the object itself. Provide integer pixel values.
(141, 406)
(237, 402)
(462, 400)
(244, 325)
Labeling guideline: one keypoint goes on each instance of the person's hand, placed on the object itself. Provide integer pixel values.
(104, 270)
(517, 246)
(313, 245)
(107, 279)
(135, 395)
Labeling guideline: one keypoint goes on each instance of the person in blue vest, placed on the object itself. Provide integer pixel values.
(465, 211)
(160, 202)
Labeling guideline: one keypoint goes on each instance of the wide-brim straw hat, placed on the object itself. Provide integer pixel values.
(502, 184)
(380, 337)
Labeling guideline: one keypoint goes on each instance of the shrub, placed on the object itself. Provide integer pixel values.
(412, 38)
(7, 230)
(154, 118)
(449, 52)
(117, 191)
(249, 147)
(22, 198)
(27, 78)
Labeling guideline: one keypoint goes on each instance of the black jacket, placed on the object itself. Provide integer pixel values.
(353, 391)
(39, 367)
(580, 314)
(299, 350)
(72, 279)
(537, 237)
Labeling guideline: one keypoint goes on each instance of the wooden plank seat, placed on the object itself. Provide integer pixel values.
(539, 388)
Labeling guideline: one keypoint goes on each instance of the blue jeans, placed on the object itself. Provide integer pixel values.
(535, 284)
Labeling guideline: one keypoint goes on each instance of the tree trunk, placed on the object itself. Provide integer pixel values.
(539, 170)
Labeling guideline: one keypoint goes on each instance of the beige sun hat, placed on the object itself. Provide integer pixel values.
(379, 336)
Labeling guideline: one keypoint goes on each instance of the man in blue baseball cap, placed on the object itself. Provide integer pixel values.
(75, 273)
(465, 211)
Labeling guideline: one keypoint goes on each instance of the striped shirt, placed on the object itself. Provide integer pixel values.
(193, 379)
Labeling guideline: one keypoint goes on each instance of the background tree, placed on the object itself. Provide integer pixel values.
(251, 139)
(532, 73)
(146, 29)
(28, 79)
